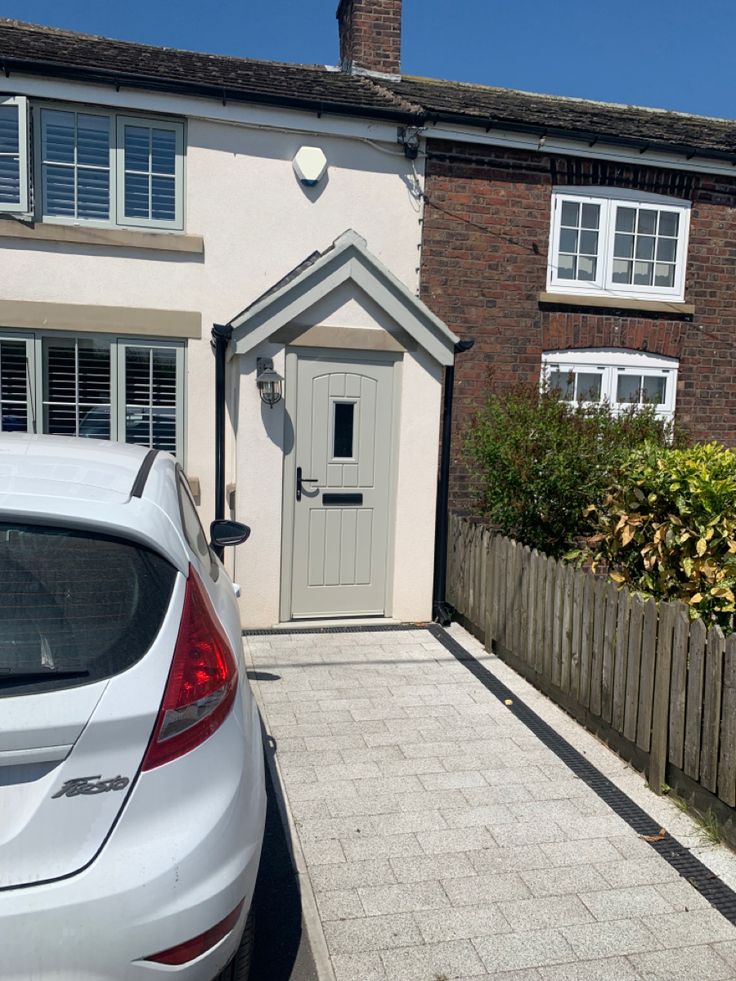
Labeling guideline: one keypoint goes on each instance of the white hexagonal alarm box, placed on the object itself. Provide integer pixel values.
(310, 165)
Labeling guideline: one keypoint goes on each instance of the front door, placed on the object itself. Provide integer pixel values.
(342, 488)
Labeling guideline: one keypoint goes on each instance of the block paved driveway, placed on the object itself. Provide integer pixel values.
(442, 839)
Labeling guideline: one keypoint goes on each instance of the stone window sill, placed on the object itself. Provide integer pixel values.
(126, 238)
(617, 303)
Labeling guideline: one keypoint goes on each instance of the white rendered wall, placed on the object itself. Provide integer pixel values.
(263, 436)
(257, 223)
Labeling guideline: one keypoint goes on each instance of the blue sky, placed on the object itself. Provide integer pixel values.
(674, 54)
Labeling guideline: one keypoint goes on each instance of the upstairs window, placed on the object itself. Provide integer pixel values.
(621, 378)
(91, 166)
(618, 243)
(13, 154)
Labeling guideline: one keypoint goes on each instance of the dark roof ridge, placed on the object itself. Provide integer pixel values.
(575, 99)
(82, 35)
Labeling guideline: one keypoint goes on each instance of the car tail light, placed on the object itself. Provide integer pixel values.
(197, 946)
(201, 685)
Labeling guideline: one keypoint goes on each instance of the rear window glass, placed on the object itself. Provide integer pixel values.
(75, 606)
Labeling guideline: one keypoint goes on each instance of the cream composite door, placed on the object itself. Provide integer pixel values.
(342, 493)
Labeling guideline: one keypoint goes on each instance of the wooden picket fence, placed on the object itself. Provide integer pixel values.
(659, 687)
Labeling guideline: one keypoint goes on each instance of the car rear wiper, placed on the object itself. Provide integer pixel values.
(28, 677)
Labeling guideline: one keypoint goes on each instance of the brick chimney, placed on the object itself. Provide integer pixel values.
(370, 36)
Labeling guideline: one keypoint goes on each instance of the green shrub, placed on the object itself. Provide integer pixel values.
(668, 527)
(536, 462)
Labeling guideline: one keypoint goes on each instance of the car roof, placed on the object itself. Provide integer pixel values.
(115, 488)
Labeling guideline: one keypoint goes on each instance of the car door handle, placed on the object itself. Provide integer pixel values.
(303, 480)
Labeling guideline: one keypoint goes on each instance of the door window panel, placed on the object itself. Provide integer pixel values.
(344, 425)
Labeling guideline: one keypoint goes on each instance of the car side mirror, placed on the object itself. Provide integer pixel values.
(225, 532)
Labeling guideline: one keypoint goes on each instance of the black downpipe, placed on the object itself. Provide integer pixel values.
(221, 334)
(440, 610)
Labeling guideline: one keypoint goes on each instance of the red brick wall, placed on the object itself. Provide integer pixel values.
(370, 34)
(484, 257)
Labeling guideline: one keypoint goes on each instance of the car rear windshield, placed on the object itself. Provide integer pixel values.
(75, 606)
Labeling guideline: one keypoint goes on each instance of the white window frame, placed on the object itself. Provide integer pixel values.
(608, 199)
(117, 217)
(23, 205)
(611, 363)
(118, 343)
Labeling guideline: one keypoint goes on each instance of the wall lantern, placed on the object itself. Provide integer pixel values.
(268, 381)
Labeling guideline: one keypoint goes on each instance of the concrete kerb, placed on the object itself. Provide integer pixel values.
(310, 914)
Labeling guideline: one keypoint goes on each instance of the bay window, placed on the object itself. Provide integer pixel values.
(619, 377)
(93, 385)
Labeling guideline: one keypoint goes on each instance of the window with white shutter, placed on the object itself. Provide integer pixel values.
(93, 385)
(151, 384)
(102, 167)
(16, 407)
(14, 154)
(77, 386)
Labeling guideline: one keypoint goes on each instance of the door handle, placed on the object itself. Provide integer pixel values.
(302, 480)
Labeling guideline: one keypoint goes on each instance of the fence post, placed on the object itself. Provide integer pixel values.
(727, 761)
(712, 708)
(661, 706)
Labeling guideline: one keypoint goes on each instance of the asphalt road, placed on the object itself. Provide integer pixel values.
(282, 951)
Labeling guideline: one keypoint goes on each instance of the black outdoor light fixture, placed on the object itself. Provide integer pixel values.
(268, 381)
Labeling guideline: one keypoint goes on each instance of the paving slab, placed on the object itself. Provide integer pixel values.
(439, 837)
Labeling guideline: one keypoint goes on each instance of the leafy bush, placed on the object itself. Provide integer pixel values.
(536, 462)
(668, 527)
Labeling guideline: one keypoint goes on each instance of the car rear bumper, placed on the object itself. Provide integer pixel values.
(182, 855)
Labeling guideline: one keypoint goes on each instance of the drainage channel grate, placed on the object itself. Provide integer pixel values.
(707, 883)
(355, 629)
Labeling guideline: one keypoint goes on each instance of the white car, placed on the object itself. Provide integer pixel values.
(132, 799)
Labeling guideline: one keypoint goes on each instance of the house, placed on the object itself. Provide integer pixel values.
(344, 228)
(148, 194)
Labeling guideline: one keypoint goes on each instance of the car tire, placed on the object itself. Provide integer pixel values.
(239, 967)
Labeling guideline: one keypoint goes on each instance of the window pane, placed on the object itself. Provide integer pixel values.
(13, 387)
(76, 386)
(588, 386)
(570, 213)
(666, 249)
(58, 191)
(645, 247)
(136, 196)
(586, 268)
(628, 388)
(568, 240)
(163, 198)
(76, 165)
(562, 383)
(669, 223)
(93, 140)
(653, 389)
(93, 193)
(625, 218)
(163, 151)
(150, 397)
(624, 246)
(664, 275)
(643, 272)
(566, 266)
(9, 155)
(344, 422)
(647, 224)
(589, 243)
(58, 136)
(622, 271)
(137, 148)
(590, 217)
